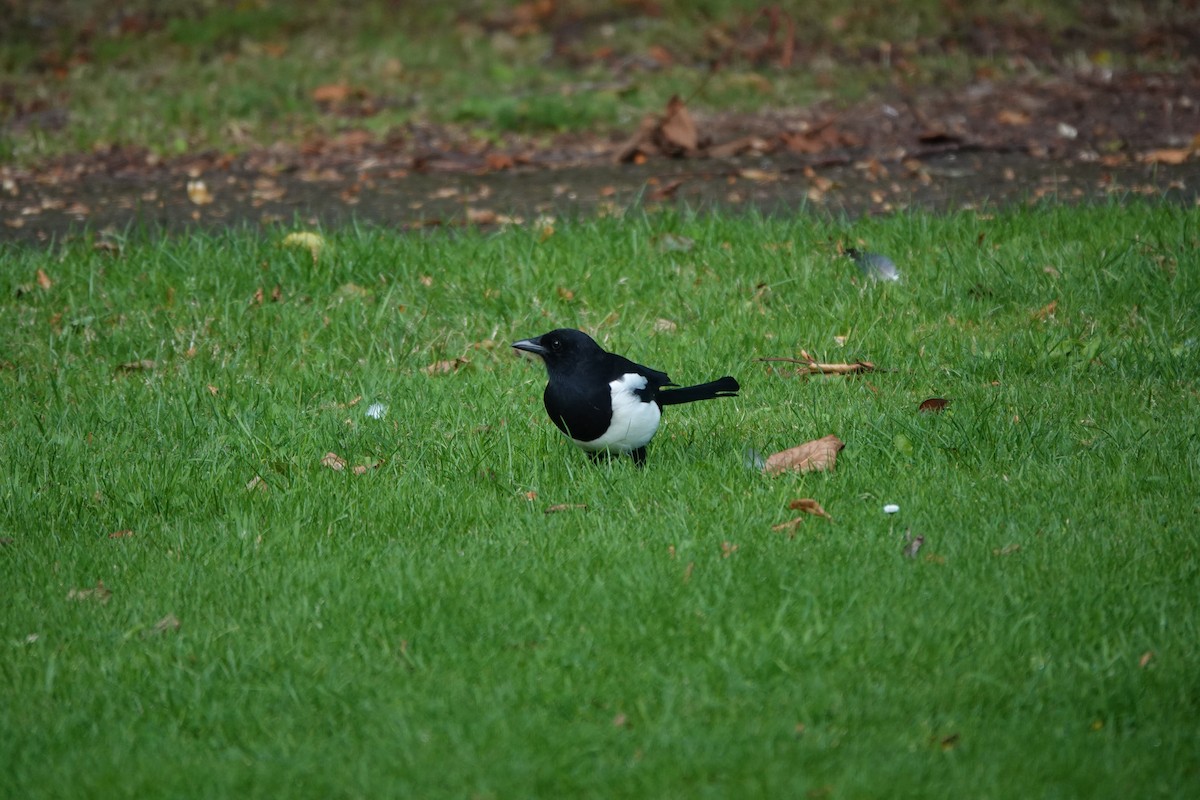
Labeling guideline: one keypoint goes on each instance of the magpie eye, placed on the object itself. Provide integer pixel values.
(556, 344)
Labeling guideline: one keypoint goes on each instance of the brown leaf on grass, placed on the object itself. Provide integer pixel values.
(168, 624)
(789, 526)
(809, 506)
(819, 454)
(363, 469)
(198, 193)
(560, 507)
(446, 366)
(1146, 658)
(1173, 156)
(121, 534)
(258, 483)
(333, 461)
(43, 280)
(934, 405)
(137, 366)
(1047, 311)
(100, 593)
(728, 549)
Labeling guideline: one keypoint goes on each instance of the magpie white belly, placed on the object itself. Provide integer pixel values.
(634, 420)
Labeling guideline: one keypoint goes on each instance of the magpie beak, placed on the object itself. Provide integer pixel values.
(604, 402)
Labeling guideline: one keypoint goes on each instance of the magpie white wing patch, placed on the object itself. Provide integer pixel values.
(634, 420)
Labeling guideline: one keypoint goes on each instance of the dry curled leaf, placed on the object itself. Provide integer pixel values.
(257, 483)
(446, 366)
(809, 506)
(819, 454)
(43, 280)
(934, 405)
(333, 461)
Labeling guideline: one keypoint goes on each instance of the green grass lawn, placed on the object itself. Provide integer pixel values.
(271, 627)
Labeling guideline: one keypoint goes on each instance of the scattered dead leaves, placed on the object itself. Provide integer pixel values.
(817, 455)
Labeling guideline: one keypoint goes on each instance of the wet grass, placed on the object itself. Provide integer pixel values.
(180, 78)
(427, 629)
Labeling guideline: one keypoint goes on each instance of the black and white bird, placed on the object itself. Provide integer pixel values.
(606, 403)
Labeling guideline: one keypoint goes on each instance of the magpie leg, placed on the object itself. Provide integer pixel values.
(639, 456)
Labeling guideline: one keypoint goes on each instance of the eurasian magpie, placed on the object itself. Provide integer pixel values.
(605, 402)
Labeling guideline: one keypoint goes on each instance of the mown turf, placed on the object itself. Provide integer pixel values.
(426, 629)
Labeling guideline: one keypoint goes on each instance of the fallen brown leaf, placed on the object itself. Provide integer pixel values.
(1047, 311)
(257, 483)
(1146, 658)
(198, 193)
(819, 454)
(445, 366)
(121, 534)
(168, 623)
(1170, 156)
(934, 405)
(43, 280)
(333, 461)
(100, 593)
(676, 134)
(809, 506)
(1014, 117)
(362, 469)
(789, 526)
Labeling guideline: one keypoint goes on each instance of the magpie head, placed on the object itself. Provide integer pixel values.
(560, 348)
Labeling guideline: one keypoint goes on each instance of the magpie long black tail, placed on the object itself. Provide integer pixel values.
(722, 387)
